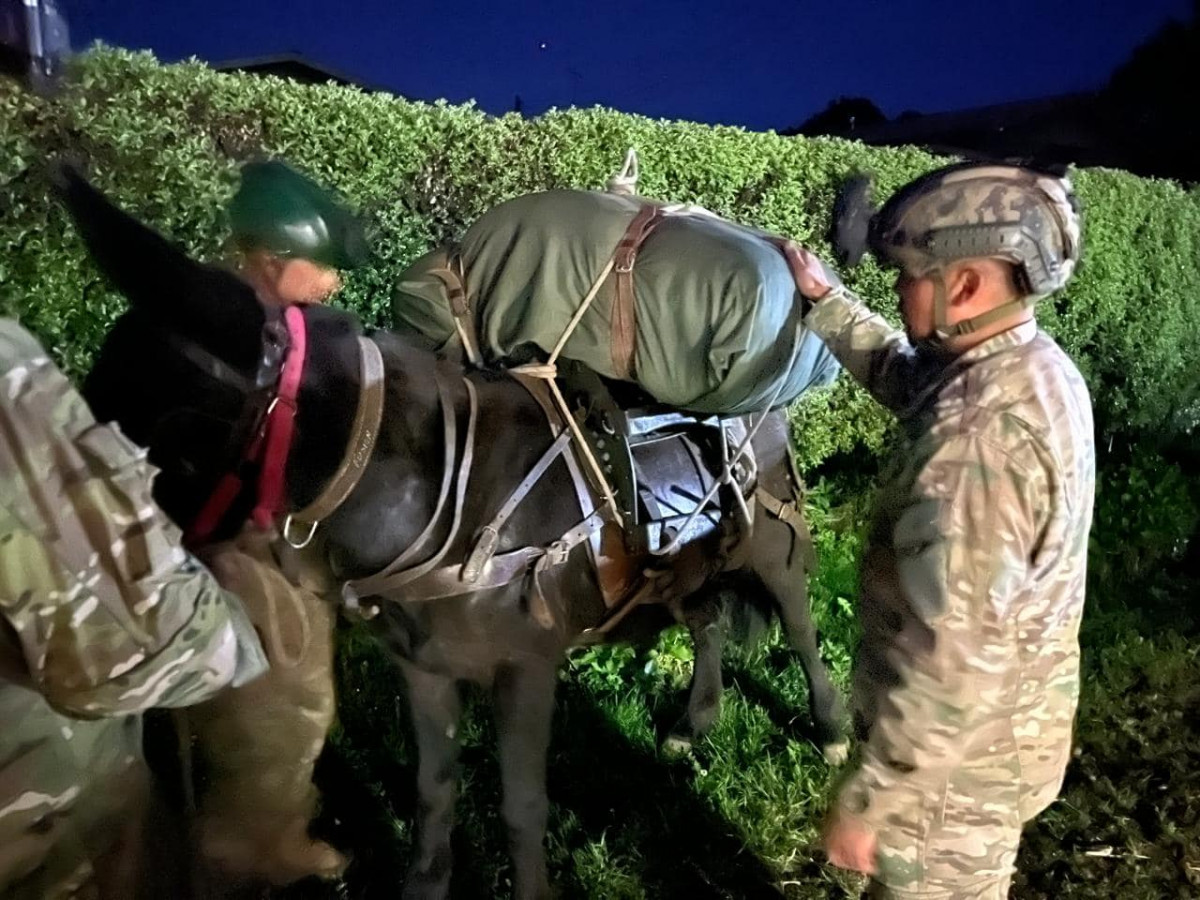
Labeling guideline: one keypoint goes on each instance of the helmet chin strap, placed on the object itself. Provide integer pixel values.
(941, 325)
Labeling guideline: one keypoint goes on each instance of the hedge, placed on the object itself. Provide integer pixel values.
(166, 141)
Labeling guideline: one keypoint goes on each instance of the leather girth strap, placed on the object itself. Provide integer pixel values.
(453, 279)
(624, 309)
(395, 575)
(618, 572)
(485, 546)
(429, 581)
(505, 568)
(613, 565)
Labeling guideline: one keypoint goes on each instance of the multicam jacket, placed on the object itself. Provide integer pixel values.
(974, 572)
(102, 614)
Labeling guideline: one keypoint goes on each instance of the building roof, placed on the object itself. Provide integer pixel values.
(295, 67)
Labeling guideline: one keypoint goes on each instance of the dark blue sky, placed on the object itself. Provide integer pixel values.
(758, 63)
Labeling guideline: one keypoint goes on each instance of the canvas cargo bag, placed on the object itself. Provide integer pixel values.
(700, 312)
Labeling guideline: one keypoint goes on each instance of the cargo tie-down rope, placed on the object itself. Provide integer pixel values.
(625, 182)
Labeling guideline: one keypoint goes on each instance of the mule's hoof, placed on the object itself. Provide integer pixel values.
(836, 754)
(677, 745)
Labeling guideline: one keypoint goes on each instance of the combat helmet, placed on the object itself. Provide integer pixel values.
(974, 210)
(285, 213)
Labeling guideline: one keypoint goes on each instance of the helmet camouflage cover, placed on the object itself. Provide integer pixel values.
(285, 213)
(974, 211)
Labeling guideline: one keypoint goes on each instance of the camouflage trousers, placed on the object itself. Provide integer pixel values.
(959, 846)
(985, 889)
(258, 744)
(73, 796)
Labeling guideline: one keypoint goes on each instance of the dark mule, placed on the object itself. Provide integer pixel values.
(187, 371)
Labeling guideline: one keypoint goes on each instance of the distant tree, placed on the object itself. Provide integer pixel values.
(1162, 67)
(842, 116)
(518, 104)
(1147, 97)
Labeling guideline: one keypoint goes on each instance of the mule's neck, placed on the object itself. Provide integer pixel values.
(325, 409)
(396, 496)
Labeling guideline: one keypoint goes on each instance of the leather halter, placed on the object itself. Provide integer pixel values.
(232, 483)
(272, 444)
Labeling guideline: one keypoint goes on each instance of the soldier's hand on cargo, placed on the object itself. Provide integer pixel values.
(849, 842)
(811, 278)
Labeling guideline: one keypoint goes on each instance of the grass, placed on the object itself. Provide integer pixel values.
(739, 818)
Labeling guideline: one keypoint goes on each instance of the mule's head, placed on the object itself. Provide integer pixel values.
(189, 370)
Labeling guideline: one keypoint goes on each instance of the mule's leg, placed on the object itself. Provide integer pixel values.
(777, 558)
(436, 708)
(524, 698)
(787, 584)
(709, 631)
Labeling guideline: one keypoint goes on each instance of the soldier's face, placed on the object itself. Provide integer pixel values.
(303, 281)
(287, 281)
(916, 306)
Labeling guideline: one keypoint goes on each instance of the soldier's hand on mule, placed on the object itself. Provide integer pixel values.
(849, 842)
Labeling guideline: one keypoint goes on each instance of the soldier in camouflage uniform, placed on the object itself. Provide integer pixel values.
(261, 742)
(102, 616)
(967, 678)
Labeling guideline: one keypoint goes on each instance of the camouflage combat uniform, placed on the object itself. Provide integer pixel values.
(103, 617)
(967, 677)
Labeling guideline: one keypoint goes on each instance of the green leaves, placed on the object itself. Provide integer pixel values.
(167, 140)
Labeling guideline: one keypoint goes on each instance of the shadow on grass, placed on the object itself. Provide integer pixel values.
(604, 789)
(642, 807)
(635, 798)
(792, 718)
(625, 820)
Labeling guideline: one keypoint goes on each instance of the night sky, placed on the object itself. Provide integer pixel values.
(757, 63)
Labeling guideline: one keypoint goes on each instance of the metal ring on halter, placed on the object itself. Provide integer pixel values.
(287, 527)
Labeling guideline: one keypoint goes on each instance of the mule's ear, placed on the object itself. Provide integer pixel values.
(209, 304)
(852, 213)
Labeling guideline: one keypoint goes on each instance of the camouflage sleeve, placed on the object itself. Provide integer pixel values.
(962, 547)
(112, 616)
(877, 354)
